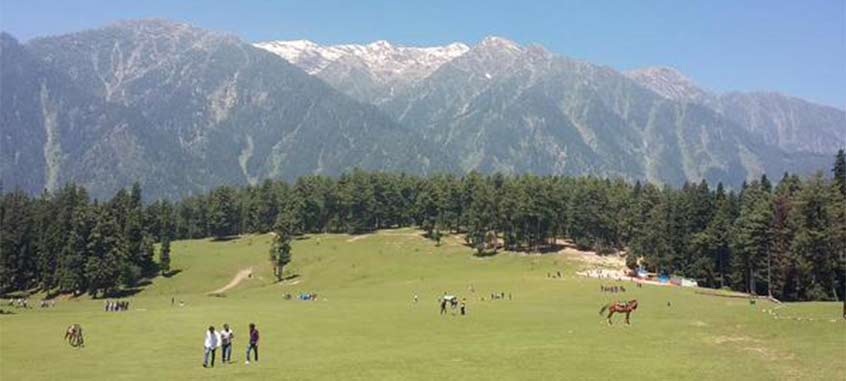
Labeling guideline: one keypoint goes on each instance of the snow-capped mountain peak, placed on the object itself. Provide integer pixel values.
(384, 61)
(381, 44)
(499, 42)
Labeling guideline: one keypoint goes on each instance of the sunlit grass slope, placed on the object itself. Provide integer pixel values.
(366, 327)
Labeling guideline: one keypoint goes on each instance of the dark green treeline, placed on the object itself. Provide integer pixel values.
(787, 239)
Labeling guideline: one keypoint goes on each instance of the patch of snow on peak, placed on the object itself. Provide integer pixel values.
(381, 44)
(387, 63)
(499, 42)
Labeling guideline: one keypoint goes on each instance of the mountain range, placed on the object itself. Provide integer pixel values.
(181, 110)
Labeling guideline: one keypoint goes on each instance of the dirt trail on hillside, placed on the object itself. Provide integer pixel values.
(358, 237)
(243, 274)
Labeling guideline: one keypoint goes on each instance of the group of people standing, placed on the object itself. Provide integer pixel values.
(611, 289)
(453, 302)
(114, 306)
(19, 303)
(48, 303)
(223, 339)
(498, 296)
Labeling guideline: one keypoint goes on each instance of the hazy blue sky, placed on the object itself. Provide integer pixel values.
(795, 47)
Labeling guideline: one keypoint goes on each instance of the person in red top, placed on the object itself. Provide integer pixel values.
(253, 346)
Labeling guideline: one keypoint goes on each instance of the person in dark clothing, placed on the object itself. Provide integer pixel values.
(463, 307)
(253, 346)
(443, 306)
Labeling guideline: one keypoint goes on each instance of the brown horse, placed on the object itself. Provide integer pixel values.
(625, 307)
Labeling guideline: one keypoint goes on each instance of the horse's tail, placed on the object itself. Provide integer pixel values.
(603, 309)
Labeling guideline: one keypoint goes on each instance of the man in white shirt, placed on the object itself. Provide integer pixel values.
(210, 345)
(226, 336)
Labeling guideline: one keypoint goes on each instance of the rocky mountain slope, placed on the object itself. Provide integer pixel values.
(505, 107)
(790, 123)
(182, 109)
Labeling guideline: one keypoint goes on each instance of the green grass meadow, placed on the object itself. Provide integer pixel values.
(366, 327)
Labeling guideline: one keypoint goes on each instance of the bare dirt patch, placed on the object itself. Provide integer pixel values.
(243, 274)
(358, 237)
(754, 345)
(733, 339)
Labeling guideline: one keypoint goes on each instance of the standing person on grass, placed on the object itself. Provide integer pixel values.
(211, 344)
(226, 336)
(253, 346)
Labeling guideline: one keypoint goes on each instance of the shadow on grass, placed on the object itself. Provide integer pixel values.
(484, 254)
(130, 291)
(225, 238)
(20, 293)
(545, 248)
(171, 273)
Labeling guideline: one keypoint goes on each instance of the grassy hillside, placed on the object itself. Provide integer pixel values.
(366, 327)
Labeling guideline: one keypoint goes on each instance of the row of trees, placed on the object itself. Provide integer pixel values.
(66, 242)
(786, 240)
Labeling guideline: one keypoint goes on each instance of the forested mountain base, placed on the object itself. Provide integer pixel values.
(788, 240)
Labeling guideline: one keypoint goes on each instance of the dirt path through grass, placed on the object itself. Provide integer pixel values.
(243, 274)
(358, 237)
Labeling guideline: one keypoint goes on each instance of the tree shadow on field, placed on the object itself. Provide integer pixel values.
(127, 292)
(483, 254)
(289, 277)
(545, 248)
(19, 294)
(549, 248)
(225, 238)
(171, 273)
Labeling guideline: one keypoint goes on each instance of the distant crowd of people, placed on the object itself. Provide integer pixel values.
(453, 303)
(116, 305)
(303, 296)
(308, 297)
(223, 339)
(18, 302)
(612, 289)
(498, 296)
(48, 303)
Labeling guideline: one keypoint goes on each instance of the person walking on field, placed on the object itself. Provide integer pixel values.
(226, 336)
(211, 344)
(253, 346)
